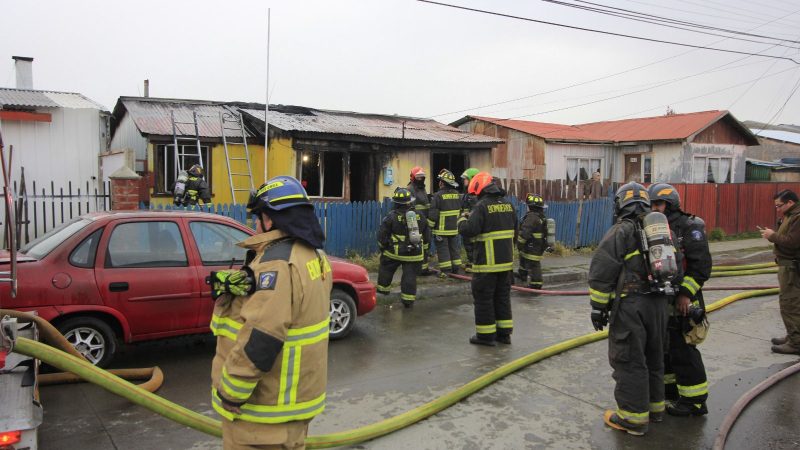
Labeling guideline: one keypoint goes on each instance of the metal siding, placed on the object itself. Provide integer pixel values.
(128, 136)
(727, 194)
(668, 164)
(47, 99)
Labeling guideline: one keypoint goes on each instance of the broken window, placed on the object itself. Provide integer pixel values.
(322, 173)
(166, 171)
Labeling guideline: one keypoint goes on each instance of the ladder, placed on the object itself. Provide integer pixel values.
(240, 181)
(179, 154)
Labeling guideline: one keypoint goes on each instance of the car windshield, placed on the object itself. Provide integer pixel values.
(42, 246)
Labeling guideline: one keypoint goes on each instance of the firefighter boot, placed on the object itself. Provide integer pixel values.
(787, 349)
(684, 408)
(780, 340)
(614, 421)
(503, 338)
(477, 340)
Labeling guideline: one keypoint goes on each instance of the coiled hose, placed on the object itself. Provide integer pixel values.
(355, 436)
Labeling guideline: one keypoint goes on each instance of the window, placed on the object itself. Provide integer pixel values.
(84, 253)
(217, 243)
(322, 173)
(710, 169)
(165, 164)
(582, 168)
(647, 170)
(41, 247)
(146, 244)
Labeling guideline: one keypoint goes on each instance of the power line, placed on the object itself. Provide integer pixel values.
(641, 38)
(780, 110)
(726, 11)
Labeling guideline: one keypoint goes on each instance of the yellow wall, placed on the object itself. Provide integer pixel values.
(282, 158)
(402, 163)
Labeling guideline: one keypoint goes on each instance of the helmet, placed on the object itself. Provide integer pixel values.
(196, 170)
(469, 173)
(479, 182)
(534, 201)
(278, 193)
(417, 172)
(629, 194)
(665, 192)
(448, 177)
(401, 196)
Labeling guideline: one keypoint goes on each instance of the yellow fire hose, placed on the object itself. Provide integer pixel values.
(355, 436)
(49, 333)
(736, 273)
(744, 267)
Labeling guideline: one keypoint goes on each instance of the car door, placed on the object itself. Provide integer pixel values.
(144, 272)
(217, 249)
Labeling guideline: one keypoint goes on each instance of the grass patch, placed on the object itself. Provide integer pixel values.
(370, 262)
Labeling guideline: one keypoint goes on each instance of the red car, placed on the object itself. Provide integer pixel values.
(140, 275)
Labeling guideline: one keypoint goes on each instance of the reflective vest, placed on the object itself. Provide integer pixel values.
(444, 211)
(492, 224)
(272, 346)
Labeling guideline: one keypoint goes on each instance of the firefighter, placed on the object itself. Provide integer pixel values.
(467, 203)
(492, 223)
(444, 212)
(532, 242)
(271, 321)
(684, 372)
(401, 238)
(196, 188)
(618, 276)
(422, 204)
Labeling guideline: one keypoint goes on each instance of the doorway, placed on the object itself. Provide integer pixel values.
(633, 168)
(455, 162)
(363, 177)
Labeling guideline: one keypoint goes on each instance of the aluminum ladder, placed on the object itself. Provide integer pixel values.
(178, 155)
(239, 181)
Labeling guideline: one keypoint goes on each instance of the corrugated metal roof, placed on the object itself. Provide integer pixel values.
(310, 120)
(46, 99)
(674, 127)
(778, 135)
(153, 116)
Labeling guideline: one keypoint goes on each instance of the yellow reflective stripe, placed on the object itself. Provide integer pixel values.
(632, 254)
(457, 262)
(224, 326)
(690, 284)
(489, 247)
(420, 206)
(505, 323)
(599, 297)
(431, 222)
(445, 264)
(521, 239)
(409, 297)
(415, 258)
(383, 288)
(488, 268)
(308, 335)
(286, 197)
(669, 378)
(235, 388)
(398, 238)
(438, 232)
(461, 219)
(537, 235)
(494, 235)
(693, 391)
(530, 256)
(656, 407)
(634, 418)
(486, 329)
(272, 413)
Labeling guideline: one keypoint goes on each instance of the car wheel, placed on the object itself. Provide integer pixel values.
(92, 337)
(343, 314)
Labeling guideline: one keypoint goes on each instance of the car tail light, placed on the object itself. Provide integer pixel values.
(10, 438)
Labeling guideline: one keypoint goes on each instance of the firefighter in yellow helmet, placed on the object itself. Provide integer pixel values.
(445, 208)
(271, 321)
(532, 241)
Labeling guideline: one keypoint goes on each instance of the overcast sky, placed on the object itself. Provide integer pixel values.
(411, 58)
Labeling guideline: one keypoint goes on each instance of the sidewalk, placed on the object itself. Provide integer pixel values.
(559, 270)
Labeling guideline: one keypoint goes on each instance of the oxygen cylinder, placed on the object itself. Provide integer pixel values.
(661, 252)
(414, 237)
(551, 232)
(180, 187)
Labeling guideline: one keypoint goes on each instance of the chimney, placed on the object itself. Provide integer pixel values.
(23, 66)
(147, 88)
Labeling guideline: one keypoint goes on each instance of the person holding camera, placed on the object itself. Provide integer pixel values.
(686, 384)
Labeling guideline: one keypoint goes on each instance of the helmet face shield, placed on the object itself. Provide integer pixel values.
(666, 193)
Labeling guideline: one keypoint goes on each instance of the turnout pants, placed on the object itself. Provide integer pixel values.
(636, 353)
(242, 435)
(448, 252)
(530, 272)
(789, 301)
(408, 280)
(684, 372)
(491, 294)
(469, 245)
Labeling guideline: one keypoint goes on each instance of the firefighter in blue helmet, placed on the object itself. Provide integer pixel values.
(401, 239)
(622, 295)
(271, 321)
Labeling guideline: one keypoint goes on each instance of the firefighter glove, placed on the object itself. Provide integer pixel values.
(599, 318)
(234, 282)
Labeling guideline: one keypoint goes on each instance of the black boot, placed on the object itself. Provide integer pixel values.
(503, 338)
(479, 341)
(683, 408)
(408, 303)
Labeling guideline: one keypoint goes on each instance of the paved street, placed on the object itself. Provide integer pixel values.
(397, 359)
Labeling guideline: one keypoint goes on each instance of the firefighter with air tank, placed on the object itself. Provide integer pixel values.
(532, 242)
(442, 218)
(422, 204)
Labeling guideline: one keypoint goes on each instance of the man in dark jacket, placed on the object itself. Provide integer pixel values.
(493, 224)
(787, 255)
(401, 242)
(422, 204)
(445, 208)
(686, 385)
(532, 241)
(618, 274)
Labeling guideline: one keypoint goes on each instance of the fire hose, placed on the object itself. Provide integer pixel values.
(205, 424)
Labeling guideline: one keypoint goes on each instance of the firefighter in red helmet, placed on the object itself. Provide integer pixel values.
(422, 204)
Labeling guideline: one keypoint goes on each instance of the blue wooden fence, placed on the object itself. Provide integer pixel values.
(352, 227)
